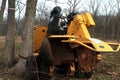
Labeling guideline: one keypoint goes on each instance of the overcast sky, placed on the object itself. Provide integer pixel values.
(84, 5)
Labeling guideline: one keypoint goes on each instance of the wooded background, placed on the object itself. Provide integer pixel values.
(107, 19)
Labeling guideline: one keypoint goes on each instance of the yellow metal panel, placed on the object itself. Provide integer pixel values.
(78, 28)
(84, 31)
(39, 34)
(80, 43)
(98, 45)
(63, 36)
(101, 46)
(88, 19)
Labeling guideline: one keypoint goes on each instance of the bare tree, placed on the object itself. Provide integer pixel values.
(2, 28)
(2, 10)
(106, 18)
(94, 7)
(110, 21)
(42, 14)
(73, 5)
(10, 38)
(118, 20)
(19, 10)
(27, 39)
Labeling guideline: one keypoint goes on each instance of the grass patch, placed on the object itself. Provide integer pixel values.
(4, 75)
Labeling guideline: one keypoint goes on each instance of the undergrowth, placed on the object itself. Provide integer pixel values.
(108, 68)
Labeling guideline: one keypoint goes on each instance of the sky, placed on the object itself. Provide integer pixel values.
(83, 6)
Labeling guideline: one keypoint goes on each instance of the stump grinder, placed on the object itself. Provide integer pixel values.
(69, 52)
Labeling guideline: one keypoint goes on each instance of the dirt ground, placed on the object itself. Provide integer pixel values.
(108, 68)
(4, 74)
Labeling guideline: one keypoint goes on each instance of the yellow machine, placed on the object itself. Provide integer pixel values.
(77, 33)
(74, 53)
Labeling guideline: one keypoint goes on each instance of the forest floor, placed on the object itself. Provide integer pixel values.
(4, 74)
(108, 68)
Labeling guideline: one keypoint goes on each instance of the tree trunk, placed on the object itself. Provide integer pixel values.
(2, 11)
(27, 36)
(1, 16)
(10, 38)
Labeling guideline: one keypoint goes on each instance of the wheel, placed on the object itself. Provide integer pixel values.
(31, 72)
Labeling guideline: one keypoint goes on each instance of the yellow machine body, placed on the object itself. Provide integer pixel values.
(77, 33)
(77, 38)
(39, 34)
